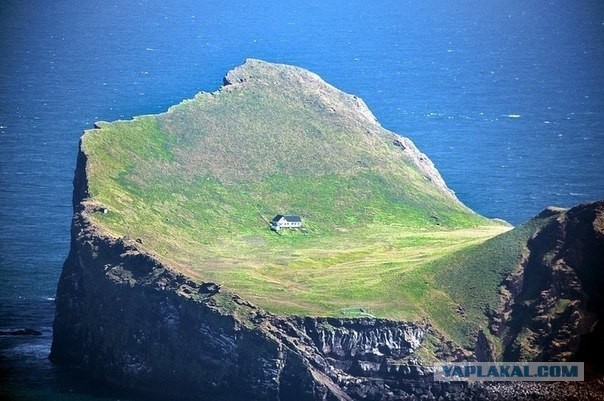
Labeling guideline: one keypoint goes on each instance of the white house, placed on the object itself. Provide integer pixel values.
(280, 221)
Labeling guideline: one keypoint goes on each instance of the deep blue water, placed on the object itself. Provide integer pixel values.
(506, 97)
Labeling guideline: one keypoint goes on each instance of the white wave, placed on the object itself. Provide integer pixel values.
(39, 349)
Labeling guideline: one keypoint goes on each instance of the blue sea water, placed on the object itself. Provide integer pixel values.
(506, 97)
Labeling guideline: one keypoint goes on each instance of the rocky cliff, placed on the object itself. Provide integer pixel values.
(552, 305)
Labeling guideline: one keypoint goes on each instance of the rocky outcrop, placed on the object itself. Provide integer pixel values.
(369, 338)
(425, 165)
(552, 305)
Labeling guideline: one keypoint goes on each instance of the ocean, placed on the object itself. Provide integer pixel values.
(506, 97)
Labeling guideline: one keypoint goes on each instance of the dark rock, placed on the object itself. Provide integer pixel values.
(483, 351)
(400, 144)
(552, 305)
(209, 288)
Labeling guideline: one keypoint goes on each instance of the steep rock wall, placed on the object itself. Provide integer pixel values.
(552, 305)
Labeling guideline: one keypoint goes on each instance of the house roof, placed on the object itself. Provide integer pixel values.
(277, 218)
(290, 218)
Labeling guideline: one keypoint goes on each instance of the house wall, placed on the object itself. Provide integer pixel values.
(285, 223)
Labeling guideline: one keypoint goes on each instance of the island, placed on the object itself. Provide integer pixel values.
(175, 283)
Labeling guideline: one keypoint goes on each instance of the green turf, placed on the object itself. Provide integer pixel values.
(471, 277)
(198, 184)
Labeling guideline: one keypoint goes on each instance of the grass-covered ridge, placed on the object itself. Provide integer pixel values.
(198, 183)
(471, 276)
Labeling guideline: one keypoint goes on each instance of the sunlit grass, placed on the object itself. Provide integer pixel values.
(198, 184)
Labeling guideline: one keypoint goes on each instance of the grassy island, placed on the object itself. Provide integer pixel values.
(382, 235)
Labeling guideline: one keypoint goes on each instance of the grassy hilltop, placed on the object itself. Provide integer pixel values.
(198, 183)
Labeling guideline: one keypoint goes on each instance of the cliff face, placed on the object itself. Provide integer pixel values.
(130, 320)
(552, 305)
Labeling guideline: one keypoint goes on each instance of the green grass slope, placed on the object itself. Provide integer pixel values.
(471, 277)
(198, 183)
